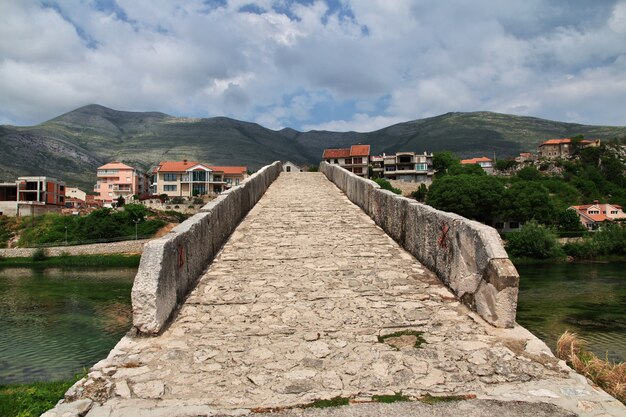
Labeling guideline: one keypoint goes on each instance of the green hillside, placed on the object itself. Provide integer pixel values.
(74, 144)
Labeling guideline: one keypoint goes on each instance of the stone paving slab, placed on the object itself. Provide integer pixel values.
(294, 309)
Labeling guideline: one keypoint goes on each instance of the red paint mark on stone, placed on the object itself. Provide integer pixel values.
(181, 256)
(443, 238)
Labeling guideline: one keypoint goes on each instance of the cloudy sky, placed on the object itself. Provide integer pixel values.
(312, 64)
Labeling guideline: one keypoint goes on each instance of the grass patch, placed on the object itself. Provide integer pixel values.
(419, 340)
(333, 402)
(388, 399)
(430, 399)
(79, 260)
(26, 400)
(609, 376)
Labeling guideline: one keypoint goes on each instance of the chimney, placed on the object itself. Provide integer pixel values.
(595, 201)
(184, 162)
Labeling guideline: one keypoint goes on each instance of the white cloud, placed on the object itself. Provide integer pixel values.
(359, 123)
(377, 61)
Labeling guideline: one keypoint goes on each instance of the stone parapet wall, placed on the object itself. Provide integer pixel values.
(171, 266)
(469, 257)
(126, 246)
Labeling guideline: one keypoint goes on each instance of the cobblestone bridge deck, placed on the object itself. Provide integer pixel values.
(293, 310)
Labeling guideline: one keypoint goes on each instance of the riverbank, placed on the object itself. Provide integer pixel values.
(114, 260)
(31, 400)
(565, 260)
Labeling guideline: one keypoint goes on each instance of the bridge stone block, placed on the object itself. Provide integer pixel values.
(171, 266)
(467, 256)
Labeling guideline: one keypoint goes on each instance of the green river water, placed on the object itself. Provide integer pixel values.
(56, 321)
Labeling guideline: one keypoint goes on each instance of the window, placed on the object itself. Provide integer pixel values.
(199, 176)
(62, 187)
(288, 169)
(357, 161)
(169, 188)
(421, 167)
(358, 170)
(110, 186)
(229, 180)
(514, 225)
(237, 180)
(170, 177)
(336, 161)
(110, 194)
(348, 161)
(127, 179)
(499, 225)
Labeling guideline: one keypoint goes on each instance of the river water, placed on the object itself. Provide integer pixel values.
(587, 299)
(54, 322)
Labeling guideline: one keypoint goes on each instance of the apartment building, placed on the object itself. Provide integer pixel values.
(31, 195)
(405, 166)
(188, 178)
(117, 179)
(355, 159)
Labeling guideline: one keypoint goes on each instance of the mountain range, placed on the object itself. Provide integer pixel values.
(71, 146)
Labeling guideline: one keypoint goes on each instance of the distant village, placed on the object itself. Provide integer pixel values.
(35, 195)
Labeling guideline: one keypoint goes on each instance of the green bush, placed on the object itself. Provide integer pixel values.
(386, 185)
(39, 255)
(177, 200)
(610, 240)
(198, 201)
(533, 241)
(100, 224)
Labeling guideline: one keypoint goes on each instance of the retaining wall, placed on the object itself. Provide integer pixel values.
(171, 266)
(467, 256)
(125, 246)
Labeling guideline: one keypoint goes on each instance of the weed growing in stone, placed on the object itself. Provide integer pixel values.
(430, 399)
(397, 339)
(333, 402)
(387, 399)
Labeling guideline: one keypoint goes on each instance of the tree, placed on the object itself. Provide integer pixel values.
(526, 200)
(567, 221)
(533, 241)
(529, 174)
(443, 161)
(505, 164)
(474, 196)
(421, 193)
(120, 201)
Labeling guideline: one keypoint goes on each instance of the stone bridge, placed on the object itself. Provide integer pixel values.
(326, 291)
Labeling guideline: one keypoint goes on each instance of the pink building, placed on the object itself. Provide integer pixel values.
(116, 179)
(593, 215)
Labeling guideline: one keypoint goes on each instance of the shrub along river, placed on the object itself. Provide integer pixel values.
(56, 321)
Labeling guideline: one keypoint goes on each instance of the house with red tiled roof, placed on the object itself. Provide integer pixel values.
(561, 148)
(593, 215)
(484, 162)
(191, 178)
(355, 158)
(117, 179)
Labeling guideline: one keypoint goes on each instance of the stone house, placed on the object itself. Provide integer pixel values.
(562, 148)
